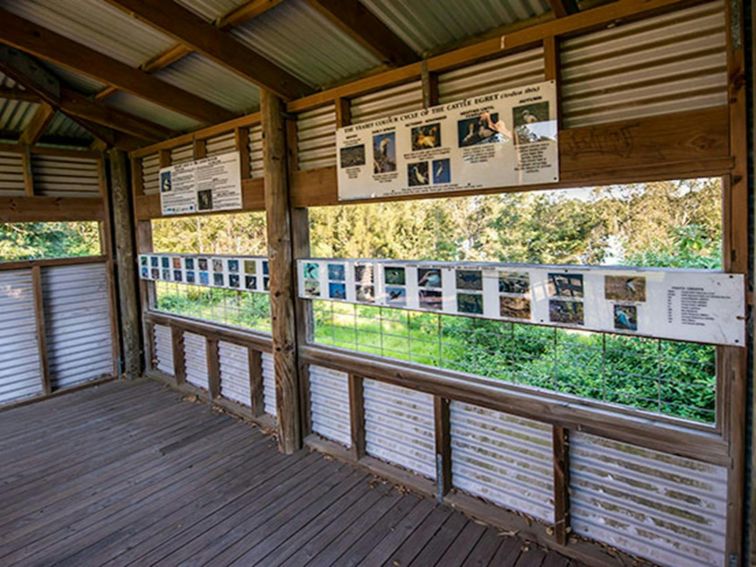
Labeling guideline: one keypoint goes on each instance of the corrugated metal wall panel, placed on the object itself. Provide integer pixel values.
(163, 354)
(234, 372)
(499, 74)
(20, 367)
(396, 100)
(77, 323)
(668, 509)
(195, 353)
(502, 458)
(256, 167)
(182, 154)
(11, 175)
(222, 144)
(269, 384)
(669, 63)
(399, 427)
(151, 174)
(63, 176)
(329, 404)
(316, 138)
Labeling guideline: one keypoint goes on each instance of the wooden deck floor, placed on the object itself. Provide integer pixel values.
(128, 474)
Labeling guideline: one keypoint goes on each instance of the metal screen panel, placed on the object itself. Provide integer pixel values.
(269, 384)
(77, 323)
(316, 138)
(163, 354)
(11, 175)
(234, 373)
(329, 404)
(396, 100)
(222, 144)
(150, 174)
(399, 427)
(195, 353)
(256, 168)
(516, 70)
(669, 63)
(502, 458)
(20, 367)
(182, 154)
(63, 176)
(668, 509)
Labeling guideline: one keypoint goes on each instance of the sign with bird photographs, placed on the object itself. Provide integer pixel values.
(501, 139)
(689, 305)
(202, 186)
(244, 273)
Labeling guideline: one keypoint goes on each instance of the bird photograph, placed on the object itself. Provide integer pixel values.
(417, 174)
(384, 153)
(626, 317)
(425, 137)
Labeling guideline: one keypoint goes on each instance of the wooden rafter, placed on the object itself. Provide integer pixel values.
(104, 122)
(38, 124)
(17, 94)
(562, 8)
(367, 29)
(50, 46)
(235, 17)
(224, 49)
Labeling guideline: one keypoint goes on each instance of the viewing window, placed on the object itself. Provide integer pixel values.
(47, 240)
(664, 224)
(242, 234)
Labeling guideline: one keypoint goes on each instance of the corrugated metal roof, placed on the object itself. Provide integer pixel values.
(7, 82)
(427, 25)
(62, 126)
(96, 24)
(299, 39)
(205, 78)
(150, 111)
(15, 114)
(211, 10)
(82, 83)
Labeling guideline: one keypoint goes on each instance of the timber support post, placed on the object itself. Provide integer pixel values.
(128, 295)
(281, 261)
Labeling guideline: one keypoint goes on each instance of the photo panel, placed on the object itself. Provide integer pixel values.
(312, 288)
(514, 307)
(250, 267)
(565, 285)
(471, 303)
(365, 293)
(396, 296)
(625, 317)
(469, 279)
(514, 282)
(429, 277)
(394, 275)
(624, 288)
(337, 272)
(431, 299)
(337, 290)
(384, 152)
(566, 312)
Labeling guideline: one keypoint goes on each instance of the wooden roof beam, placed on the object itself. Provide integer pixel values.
(366, 29)
(38, 124)
(203, 37)
(50, 46)
(563, 8)
(17, 94)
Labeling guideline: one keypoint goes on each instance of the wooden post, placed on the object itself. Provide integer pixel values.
(357, 415)
(560, 437)
(213, 367)
(39, 314)
(26, 160)
(281, 261)
(126, 262)
(257, 401)
(429, 82)
(179, 355)
(443, 447)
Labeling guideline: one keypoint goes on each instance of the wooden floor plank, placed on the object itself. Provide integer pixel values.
(131, 473)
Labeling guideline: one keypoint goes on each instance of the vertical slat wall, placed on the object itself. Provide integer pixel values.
(329, 404)
(77, 323)
(11, 175)
(234, 372)
(65, 176)
(399, 427)
(669, 63)
(195, 355)
(255, 151)
(20, 365)
(492, 76)
(668, 509)
(504, 459)
(150, 177)
(316, 138)
(163, 349)
(269, 384)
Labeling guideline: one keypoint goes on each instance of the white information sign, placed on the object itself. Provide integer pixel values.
(205, 185)
(502, 139)
(689, 305)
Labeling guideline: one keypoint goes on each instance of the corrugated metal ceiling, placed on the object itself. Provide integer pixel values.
(62, 126)
(15, 115)
(211, 10)
(151, 111)
(205, 78)
(300, 40)
(428, 25)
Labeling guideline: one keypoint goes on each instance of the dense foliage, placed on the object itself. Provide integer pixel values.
(25, 241)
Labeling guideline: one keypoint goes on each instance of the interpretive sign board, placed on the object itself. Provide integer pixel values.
(248, 273)
(690, 305)
(502, 139)
(201, 186)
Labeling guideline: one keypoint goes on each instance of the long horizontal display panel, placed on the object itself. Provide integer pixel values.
(248, 273)
(689, 305)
